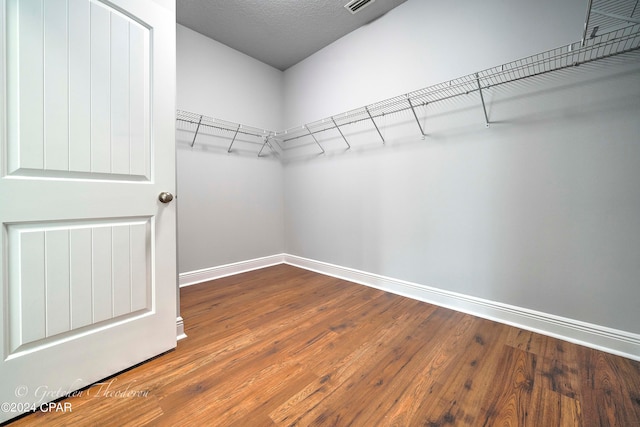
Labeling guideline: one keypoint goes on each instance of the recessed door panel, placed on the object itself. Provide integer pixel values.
(79, 106)
(65, 277)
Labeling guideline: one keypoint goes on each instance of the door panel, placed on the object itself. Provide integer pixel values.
(87, 252)
(66, 276)
(82, 71)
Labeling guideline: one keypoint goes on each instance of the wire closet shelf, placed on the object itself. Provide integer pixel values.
(621, 41)
(608, 15)
(196, 122)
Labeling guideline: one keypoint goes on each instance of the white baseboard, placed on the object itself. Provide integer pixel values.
(180, 329)
(610, 340)
(206, 274)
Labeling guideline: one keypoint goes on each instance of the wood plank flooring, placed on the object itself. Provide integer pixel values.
(288, 347)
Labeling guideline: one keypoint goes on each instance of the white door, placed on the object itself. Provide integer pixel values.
(87, 250)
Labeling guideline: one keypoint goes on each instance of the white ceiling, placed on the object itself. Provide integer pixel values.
(280, 33)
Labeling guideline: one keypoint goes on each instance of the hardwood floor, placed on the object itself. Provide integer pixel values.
(284, 346)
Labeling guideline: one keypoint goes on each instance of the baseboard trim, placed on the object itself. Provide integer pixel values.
(180, 335)
(204, 275)
(621, 343)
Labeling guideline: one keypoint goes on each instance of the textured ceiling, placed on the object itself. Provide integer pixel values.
(280, 33)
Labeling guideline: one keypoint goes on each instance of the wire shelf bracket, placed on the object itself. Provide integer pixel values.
(266, 142)
(484, 107)
(341, 134)
(195, 135)
(234, 138)
(374, 124)
(413, 110)
(314, 138)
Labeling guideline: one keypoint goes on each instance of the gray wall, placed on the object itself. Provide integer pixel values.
(541, 210)
(230, 206)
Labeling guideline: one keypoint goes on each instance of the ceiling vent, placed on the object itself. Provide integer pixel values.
(355, 6)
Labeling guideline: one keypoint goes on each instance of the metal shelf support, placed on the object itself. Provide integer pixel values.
(196, 134)
(234, 138)
(484, 107)
(314, 138)
(266, 142)
(374, 124)
(415, 115)
(341, 134)
(586, 23)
